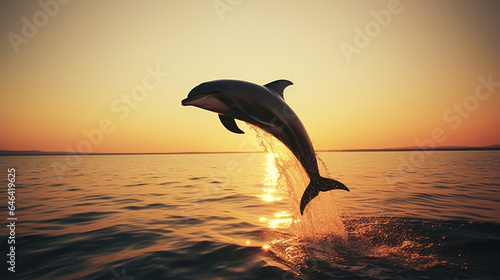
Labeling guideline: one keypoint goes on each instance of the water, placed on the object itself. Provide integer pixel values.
(208, 217)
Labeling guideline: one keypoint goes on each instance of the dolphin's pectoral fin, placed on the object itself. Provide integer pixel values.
(230, 124)
(251, 117)
(278, 86)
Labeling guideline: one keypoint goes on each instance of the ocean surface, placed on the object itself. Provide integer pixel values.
(408, 215)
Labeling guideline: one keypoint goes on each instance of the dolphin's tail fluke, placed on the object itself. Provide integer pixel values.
(315, 186)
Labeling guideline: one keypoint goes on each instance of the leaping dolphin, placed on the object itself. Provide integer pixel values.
(264, 107)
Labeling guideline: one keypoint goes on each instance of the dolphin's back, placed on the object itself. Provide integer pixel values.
(288, 128)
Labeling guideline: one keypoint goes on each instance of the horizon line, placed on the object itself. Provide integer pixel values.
(399, 149)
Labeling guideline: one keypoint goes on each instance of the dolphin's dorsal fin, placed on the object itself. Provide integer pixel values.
(230, 124)
(278, 86)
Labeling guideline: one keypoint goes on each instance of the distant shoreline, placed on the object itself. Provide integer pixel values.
(408, 149)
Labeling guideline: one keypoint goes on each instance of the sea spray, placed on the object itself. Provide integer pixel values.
(285, 183)
(321, 237)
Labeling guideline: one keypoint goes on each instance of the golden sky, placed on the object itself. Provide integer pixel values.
(108, 76)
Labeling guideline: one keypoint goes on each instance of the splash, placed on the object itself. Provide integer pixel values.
(284, 184)
(321, 237)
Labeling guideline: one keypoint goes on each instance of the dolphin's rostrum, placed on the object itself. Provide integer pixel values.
(264, 107)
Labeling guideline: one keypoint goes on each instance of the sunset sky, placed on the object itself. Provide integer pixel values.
(367, 74)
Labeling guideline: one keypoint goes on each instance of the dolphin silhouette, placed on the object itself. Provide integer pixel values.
(264, 107)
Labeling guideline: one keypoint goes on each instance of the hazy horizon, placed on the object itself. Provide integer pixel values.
(106, 77)
(392, 149)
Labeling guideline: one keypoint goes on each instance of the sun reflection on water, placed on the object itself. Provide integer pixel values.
(281, 219)
(273, 173)
(271, 179)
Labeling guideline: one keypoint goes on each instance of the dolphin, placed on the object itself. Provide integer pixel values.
(264, 107)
